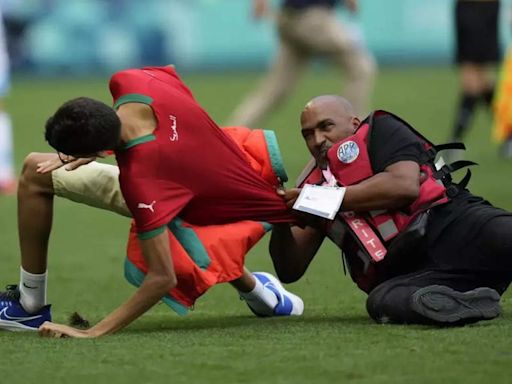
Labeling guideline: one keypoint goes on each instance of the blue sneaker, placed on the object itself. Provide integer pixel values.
(14, 318)
(288, 304)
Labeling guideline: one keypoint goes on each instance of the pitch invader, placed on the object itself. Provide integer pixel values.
(202, 177)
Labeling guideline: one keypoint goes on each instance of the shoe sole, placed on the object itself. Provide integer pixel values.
(13, 326)
(445, 305)
(298, 304)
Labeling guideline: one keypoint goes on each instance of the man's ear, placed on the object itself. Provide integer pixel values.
(356, 122)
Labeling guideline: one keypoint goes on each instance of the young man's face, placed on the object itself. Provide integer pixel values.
(324, 124)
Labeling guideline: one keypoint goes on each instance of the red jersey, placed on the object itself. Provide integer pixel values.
(188, 166)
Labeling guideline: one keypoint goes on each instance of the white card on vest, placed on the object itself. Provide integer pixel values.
(320, 200)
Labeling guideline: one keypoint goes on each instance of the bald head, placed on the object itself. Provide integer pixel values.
(324, 121)
(333, 101)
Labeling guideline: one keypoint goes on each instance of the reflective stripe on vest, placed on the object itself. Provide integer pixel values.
(388, 229)
(366, 235)
(384, 224)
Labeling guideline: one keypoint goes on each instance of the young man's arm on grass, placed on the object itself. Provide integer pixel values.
(158, 281)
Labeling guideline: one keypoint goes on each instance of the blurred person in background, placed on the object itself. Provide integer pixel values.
(7, 178)
(477, 50)
(502, 131)
(308, 28)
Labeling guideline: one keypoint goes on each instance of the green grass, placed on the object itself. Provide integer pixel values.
(221, 342)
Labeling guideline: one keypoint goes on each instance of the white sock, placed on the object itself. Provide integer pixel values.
(260, 299)
(6, 152)
(32, 290)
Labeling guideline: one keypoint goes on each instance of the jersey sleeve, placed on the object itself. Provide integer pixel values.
(145, 84)
(152, 199)
(392, 141)
(130, 85)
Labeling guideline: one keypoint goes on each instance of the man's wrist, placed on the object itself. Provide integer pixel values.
(93, 332)
(281, 227)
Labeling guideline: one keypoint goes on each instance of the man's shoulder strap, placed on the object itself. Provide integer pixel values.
(306, 172)
(380, 112)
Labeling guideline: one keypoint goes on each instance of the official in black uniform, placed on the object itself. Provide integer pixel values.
(477, 50)
(453, 272)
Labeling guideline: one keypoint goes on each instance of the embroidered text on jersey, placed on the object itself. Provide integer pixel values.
(174, 134)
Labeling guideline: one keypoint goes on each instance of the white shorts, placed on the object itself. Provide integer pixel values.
(94, 184)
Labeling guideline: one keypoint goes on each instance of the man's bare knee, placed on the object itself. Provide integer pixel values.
(31, 179)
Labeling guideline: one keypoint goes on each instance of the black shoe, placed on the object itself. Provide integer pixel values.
(444, 305)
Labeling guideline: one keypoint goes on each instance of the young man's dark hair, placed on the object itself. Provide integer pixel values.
(83, 126)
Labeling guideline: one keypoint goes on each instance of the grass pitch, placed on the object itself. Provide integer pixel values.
(221, 342)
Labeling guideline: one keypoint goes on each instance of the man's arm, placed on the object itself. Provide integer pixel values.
(292, 248)
(159, 279)
(397, 186)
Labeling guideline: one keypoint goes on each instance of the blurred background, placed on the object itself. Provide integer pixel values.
(90, 36)
(61, 49)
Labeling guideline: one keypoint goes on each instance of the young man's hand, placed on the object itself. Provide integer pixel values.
(56, 162)
(53, 330)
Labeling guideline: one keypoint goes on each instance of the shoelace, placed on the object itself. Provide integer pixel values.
(11, 293)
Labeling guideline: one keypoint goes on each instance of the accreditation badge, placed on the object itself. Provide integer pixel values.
(320, 200)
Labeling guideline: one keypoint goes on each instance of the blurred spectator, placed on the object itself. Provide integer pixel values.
(307, 28)
(502, 131)
(7, 178)
(16, 22)
(477, 49)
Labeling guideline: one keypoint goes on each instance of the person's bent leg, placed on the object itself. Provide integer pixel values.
(433, 297)
(24, 307)
(488, 87)
(265, 296)
(348, 51)
(35, 214)
(93, 184)
(273, 89)
(472, 87)
(360, 69)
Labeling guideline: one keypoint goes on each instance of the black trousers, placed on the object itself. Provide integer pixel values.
(485, 261)
(476, 31)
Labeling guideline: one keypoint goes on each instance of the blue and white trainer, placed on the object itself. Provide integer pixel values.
(14, 318)
(288, 304)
